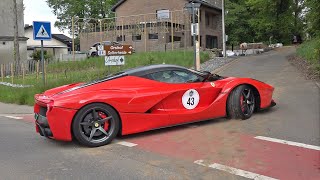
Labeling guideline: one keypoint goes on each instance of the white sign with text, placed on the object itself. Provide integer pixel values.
(114, 60)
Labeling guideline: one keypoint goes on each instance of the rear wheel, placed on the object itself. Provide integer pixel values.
(96, 125)
(241, 102)
(94, 54)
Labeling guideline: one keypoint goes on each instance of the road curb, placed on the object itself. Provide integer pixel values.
(218, 70)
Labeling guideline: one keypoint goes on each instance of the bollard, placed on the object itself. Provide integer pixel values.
(38, 64)
(2, 72)
(12, 72)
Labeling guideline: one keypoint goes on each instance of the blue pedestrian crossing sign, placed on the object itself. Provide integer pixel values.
(41, 30)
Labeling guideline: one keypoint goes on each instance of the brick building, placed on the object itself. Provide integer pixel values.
(164, 21)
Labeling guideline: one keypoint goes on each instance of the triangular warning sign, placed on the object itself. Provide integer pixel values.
(42, 33)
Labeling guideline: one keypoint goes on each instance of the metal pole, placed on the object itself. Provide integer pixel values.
(145, 34)
(198, 41)
(172, 35)
(100, 26)
(223, 30)
(42, 61)
(73, 49)
(194, 37)
(122, 33)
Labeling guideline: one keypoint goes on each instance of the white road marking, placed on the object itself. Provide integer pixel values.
(14, 117)
(239, 172)
(291, 143)
(128, 144)
(235, 171)
(200, 162)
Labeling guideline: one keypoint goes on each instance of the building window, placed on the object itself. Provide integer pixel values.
(119, 38)
(175, 38)
(153, 36)
(211, 42)
(136, 37)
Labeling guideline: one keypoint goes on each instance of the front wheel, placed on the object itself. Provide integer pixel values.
(96, 125)
(241, 103)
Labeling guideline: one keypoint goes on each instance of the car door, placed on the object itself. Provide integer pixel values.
(186, 97)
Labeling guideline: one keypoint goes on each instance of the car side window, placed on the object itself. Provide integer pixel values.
(175, 76)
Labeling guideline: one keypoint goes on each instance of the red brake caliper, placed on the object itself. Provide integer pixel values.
(106, 124)
(241, 103)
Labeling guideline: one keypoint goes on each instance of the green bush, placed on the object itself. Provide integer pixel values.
(36, 55)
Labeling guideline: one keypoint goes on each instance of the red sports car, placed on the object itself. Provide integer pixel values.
(143, 99)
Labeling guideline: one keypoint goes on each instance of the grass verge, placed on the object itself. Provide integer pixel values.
(310, 51)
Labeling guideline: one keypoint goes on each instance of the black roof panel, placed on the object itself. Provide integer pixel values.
(144, 70)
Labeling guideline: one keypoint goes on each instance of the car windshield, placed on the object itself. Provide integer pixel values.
(107, 43)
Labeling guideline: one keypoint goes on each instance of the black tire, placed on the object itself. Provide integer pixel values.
(94, 54)
(96, 125)
(241, 103)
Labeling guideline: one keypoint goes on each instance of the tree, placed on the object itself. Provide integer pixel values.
(313, 17)
(16, 34)
(298, 6)
(237, 22)
(83, 9)
(261, 20)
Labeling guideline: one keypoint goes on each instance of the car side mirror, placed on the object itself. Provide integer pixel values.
(207, 76)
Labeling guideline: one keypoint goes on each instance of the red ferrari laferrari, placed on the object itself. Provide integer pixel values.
(144, 99)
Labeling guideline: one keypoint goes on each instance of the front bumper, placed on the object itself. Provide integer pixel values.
(273, 103)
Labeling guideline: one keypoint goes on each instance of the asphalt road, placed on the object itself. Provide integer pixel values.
(185, 152)
(297, 114)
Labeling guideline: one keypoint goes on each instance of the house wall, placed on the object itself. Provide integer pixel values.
(217, 3)
(7, 51)
(7, 31)
(7, 18)
(54, 46)
(135, 7)
(141, 8)
(214, 28)
(31, 42)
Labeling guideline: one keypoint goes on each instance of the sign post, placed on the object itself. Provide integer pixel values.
(42, 32)
(193, 8)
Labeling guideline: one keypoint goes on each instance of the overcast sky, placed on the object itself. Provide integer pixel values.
(38, 10)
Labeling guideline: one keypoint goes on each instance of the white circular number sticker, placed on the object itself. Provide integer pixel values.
(190, 99)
